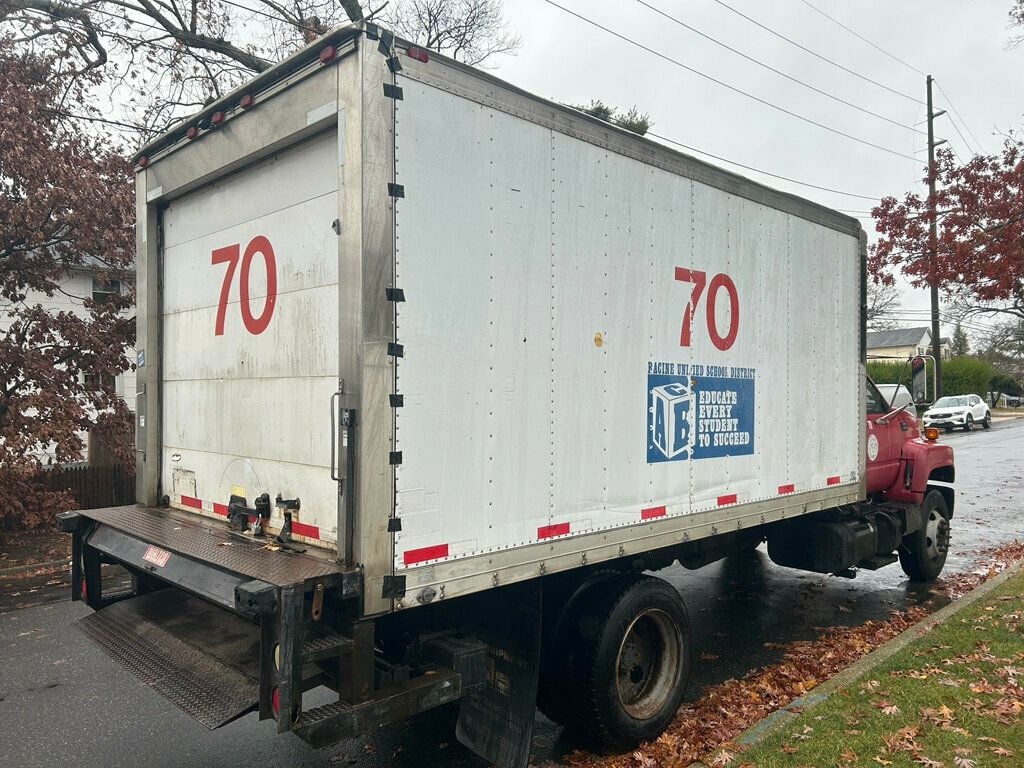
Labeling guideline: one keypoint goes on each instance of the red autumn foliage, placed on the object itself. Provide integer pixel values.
(704, 729)
(66, 203)
(979, 255)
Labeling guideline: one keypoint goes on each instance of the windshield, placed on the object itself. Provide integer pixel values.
(950, 402)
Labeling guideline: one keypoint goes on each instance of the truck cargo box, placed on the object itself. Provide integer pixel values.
(480, 336)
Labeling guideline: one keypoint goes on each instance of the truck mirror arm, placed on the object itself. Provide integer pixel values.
(888, 417)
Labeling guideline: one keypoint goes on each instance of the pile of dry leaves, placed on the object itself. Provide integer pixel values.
(704, 729)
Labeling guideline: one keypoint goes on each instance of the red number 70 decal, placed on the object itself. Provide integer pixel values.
(699, 280)
(229, 255)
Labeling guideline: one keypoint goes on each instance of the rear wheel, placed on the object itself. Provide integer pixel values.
(969, 424)
(629, 662)
(923, 553)
(986, 423)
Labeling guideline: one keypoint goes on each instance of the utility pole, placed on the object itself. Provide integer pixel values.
(933, 239)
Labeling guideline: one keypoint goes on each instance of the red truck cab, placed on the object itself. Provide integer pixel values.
(900, 461)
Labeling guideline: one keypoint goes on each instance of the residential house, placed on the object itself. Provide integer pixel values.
(903, 343)
(79, 282)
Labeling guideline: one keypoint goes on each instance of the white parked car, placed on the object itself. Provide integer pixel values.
(960, 411)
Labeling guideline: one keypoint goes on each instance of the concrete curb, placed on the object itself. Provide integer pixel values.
(51, 565)
(846, 677)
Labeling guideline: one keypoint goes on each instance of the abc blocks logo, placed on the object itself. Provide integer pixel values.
(671, 421)
(699, 417)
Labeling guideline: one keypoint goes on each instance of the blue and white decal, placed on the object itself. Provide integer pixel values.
(698, 412)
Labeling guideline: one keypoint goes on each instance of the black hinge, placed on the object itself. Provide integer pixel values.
(396, 190)
(394, 294)
(394, 524)
(397, 401)
(395, 350)
(395, 458)
(392, 92)
(387, 42)
(372, 31)
(394, 586)
(394, 65)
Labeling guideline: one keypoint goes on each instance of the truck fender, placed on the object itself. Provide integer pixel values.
(928, 464)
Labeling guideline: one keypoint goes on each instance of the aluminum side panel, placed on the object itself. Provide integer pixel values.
(246, 407)
(542, 306)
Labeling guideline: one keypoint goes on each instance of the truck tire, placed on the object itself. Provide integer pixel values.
(923, 553)
(630, 662)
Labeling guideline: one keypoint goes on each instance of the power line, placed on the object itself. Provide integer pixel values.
(861, 37)
(777, 71)
(981, 149)
(733, 88)
(756, 170)
(817, 55)
(270, 16)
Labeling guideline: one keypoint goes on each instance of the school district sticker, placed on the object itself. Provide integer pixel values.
(698, 412)
(872, 447)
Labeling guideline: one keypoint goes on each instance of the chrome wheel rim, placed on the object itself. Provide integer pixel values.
(936, 535)
(648, 663)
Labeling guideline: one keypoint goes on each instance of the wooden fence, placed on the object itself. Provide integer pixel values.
(93, 487)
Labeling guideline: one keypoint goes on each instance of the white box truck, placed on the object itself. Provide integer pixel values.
(433, 371)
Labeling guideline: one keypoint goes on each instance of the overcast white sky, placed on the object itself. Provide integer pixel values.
(962, 43)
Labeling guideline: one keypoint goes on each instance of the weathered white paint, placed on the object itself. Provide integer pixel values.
(518, 248)
(244, 410)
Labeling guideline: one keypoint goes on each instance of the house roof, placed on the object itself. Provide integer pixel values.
(899, 337)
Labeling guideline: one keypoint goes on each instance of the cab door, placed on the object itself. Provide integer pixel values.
(884, 441)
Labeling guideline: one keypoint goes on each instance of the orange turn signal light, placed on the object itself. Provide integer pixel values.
(931, 433)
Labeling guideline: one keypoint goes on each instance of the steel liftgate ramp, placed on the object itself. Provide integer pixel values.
(194, 630)
(196, 655)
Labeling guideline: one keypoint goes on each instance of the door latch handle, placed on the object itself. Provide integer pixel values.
(335, 400)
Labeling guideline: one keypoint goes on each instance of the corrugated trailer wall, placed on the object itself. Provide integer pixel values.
(550, 385)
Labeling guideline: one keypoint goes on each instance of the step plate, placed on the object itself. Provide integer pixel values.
(201, 684)
(209, 541)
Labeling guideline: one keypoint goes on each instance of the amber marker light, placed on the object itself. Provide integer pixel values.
(931, 433)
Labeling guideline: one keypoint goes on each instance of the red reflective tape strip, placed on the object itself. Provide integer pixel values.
(309, 531)
(647, 514)
(220, 509)
(188, 501)
(547, 531)
(786, 489)
(730, 499)
(420, 555)
(834, 480)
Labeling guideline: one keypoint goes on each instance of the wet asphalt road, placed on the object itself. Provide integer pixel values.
(63, 702)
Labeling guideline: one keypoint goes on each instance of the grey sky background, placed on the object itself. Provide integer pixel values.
(961, 43)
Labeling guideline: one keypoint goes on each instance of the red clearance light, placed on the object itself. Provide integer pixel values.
(328, 54)
(246, 101)
(275, 701)
(142, 161)
(85, 592)
(417, 53)
(218, 118)
(192, 133)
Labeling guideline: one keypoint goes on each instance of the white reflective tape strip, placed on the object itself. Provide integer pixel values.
(341, 136)
(319, 113)
(154, 193)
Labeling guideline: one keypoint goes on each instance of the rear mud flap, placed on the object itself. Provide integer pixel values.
(200, 657)
(496, 722)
